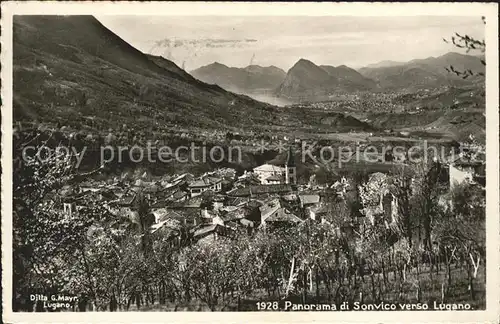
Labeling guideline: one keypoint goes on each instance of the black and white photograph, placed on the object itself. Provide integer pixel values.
(258, 162)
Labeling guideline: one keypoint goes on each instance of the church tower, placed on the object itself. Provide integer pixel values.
(290, 168)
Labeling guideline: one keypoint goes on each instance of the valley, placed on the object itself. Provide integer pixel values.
(159, 189)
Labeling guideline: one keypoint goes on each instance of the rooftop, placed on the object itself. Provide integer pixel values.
(261, 189)
(237, 213)
(269, 168)
(194, 202)
(206, 230)
(269, 209)
(171, 224)
(205, 182)
(309, 199)
(283, 215)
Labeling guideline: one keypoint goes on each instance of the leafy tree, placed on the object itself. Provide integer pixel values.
(461, 232)
(41, 235)
(211, 269)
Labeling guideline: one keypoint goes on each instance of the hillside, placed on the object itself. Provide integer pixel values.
(454, 124)
(385, 63)
(76, 69)
(424, 73)
(248, 79)
(349, 79)
(452, 98)
(308, 81)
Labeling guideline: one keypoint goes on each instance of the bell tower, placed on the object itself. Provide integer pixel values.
(290, 168)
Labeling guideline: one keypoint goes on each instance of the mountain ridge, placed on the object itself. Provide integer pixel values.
(305, 79)
(246, 79)
(74, 73)
(81, 69)
(424, 73)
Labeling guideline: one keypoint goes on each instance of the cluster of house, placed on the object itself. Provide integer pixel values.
(228, 215)
(220, 203)
(262, 198)
(199, 209)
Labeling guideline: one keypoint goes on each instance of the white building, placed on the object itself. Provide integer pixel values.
(273, 174)
(266, 171)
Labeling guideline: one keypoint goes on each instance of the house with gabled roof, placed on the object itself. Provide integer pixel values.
(283, 215)
(268, 209)
(187, 217)
(161, 214)
(308, 200)
(232, 213)
(266, 171)
(236, 201)
(317, 212)
(209, 233)
(169, 231)
(197, 187)
(179, 195)
(279, 217)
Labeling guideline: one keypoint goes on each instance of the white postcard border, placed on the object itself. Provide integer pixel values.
(489, 10)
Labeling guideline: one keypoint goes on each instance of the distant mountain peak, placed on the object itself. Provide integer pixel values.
(303, 61)
(453, 54)
(308, 80)
(218, 64)
(243, 80)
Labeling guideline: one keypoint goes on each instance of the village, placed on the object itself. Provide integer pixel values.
(185, 209)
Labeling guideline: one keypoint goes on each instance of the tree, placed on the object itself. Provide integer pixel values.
(40, 234)
(211, 269)
(469, 44)
(462, 233)
(79, 252)
(425, 202)
(401, 189)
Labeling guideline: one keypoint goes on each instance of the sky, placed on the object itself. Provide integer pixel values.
(194, 41)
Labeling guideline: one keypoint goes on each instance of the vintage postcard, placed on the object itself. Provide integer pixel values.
(250, 162)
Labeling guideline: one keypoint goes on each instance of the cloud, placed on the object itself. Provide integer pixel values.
(281, 40)
(168, 44)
